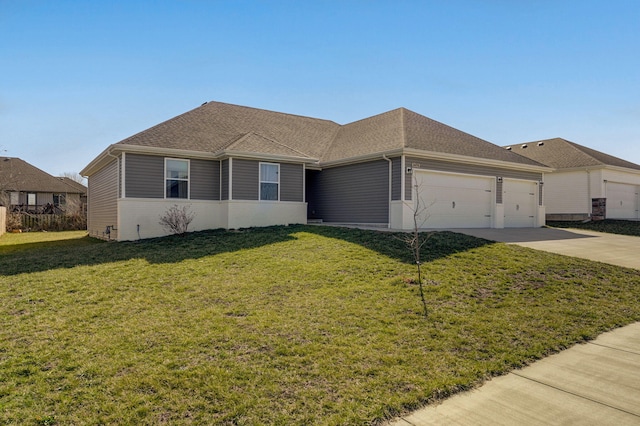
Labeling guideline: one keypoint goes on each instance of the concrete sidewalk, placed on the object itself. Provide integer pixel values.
(621, 250)
(596, 383)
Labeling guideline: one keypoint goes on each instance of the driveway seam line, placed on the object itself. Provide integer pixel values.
(614, 348)
(576, 394)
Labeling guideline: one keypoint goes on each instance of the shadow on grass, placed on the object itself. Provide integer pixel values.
(38, 257)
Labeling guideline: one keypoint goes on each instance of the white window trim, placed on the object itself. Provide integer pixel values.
(260, 181)
(188, 179)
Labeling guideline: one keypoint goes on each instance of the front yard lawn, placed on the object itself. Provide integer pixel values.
(281, 325)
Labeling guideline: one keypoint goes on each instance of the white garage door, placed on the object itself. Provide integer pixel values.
(520, 203)
(622, 201)
(453, 200)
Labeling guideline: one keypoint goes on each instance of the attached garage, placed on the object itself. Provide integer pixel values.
(451, 200)
(520, 206)
(622, 200)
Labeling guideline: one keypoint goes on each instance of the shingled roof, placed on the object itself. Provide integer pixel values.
(216, 127)
(18, 175)
(402, 128)
(562, 154)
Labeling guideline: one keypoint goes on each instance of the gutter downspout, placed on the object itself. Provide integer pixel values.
(112, 227)
(384, 156)
(589, 199)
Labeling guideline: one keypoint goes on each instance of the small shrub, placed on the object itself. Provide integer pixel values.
(176, 219)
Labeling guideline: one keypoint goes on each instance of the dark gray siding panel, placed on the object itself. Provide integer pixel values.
(445, 166)
(499, 191)
(291, 182)
(144, 176)
(396, 178)
(245, 180)
(408, 182)
(357, 193)
(44, 198)
(102, 200)
(224, 178)
(205, 180)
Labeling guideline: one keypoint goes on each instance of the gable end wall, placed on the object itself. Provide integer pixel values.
(103, 201)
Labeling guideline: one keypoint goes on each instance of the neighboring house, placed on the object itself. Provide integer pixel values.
(237, 167)
(585, 183)
(26, 188)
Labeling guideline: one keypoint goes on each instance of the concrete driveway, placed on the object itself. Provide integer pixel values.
(614, 249)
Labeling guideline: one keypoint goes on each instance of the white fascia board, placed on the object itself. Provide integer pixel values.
(97, 163)
(361, 158)
(622, 169)
(114, 149)
(475, 160)
(264, 157)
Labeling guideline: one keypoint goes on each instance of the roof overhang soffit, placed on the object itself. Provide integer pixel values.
(432, 155)
(115, 150)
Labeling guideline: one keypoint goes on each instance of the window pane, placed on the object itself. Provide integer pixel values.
(269, 173)
(177, 188)
(269, 191)
(31, 199)
(177, 169)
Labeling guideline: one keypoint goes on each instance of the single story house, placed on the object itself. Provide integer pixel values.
(584, 183)
(26, 188)
(236, 166)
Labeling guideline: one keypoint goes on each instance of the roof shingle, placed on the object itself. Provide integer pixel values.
(562, 154)
(18, 175)
(217, 126)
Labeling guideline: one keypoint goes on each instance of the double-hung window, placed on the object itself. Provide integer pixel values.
(176, 178)
(59, 199)
(269, 181)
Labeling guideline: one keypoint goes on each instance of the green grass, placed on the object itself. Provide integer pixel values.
(282, 325)
(622, 227)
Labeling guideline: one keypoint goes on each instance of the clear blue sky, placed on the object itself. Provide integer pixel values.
(76, 76)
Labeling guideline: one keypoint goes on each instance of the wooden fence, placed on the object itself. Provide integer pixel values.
(3, 220)
(53, 222)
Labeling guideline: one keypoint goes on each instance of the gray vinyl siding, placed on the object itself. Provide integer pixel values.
(473, 169)
(44, 198)
(291, 182)
(224, 180)
(144, 176)
(205, 180)
(357, 193)
(245, 179)
(102, 200)
(396, 178)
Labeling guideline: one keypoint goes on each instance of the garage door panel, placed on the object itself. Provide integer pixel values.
(520, 204)
(454, 201)
(622, 201)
